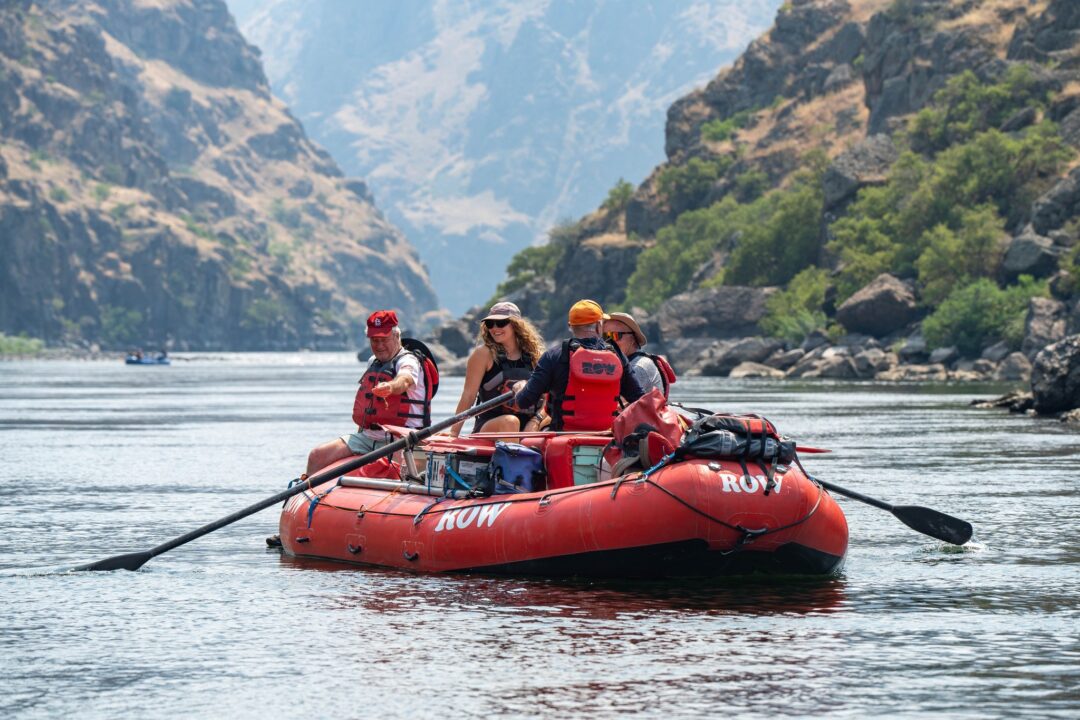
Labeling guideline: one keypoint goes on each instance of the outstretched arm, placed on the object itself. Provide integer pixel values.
(539, 382)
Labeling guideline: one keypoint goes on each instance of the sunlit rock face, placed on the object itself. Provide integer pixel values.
(154, 191)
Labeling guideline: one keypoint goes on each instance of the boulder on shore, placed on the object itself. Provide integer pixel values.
(1055, 377)
(723, 312)
(754, 370)
(723, 359)
(884, 306)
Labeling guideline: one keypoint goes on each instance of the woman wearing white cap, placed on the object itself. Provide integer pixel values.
(509, 348)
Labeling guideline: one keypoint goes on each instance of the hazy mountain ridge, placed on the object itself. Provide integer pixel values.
(153, 191)
(771, 169)
(479, 125)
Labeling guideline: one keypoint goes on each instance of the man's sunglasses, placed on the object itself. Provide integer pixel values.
(614, 336)
(496, 323)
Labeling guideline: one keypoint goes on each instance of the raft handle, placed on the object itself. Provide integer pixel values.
(302, 539)
(354, 549)
(411, 556)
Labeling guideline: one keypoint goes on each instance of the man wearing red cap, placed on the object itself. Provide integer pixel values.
(585, 376)
(391, 392)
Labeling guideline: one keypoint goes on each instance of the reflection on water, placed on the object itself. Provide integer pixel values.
(600, 599)
(100, 459)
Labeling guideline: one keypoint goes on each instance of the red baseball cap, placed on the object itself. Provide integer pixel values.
(381, 323)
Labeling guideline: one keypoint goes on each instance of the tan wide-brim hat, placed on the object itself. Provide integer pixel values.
(628, 320)
(502, 311)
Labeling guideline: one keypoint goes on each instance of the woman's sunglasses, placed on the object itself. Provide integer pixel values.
(496, 323)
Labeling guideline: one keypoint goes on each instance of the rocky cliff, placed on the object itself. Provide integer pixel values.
(865, 171)
(154, 192)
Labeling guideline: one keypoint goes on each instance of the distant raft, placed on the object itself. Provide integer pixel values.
(694, 517)
(136, 360)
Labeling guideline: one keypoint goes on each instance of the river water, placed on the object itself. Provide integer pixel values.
(98, 458)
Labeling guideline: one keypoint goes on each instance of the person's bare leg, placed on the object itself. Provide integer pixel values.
(326, 454)
(502, 424)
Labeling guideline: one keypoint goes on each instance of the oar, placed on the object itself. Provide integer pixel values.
(920, 519)
(134, 561)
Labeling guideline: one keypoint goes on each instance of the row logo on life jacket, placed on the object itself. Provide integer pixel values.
(591, 398)
(369, 410)
(599, 368)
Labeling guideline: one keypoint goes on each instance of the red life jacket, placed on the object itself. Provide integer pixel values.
(370, 410)
(591, 398)
(667, 373)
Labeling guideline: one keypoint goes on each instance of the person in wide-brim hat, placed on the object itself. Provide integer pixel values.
(508, 348)
(650, 370)
(631, 324)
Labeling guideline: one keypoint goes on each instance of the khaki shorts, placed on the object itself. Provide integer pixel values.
(362, 444)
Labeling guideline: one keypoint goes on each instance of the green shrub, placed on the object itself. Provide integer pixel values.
(289, 217)
(120, 210)
(618, 196)
(681, 248)
(751, 185)
(782, 237)
(59, 194)
(887, 228)
(36, 158)
(263, 314)
(723, 128)
(280, 251)
(980, 314)
(770, 240)
(687, 186)
(20, 345)
(911, 14)
(966, 106)
(195, 227)
(113, 174)
(1070, 260)
(796, 311)
(240, 265)
(120, 326)
(952, 259)
(101, 192)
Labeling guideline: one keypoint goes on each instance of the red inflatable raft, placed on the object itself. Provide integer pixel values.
(691, 518)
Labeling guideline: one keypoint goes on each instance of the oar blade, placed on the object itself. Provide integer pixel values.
(933, 523)
(130, 561)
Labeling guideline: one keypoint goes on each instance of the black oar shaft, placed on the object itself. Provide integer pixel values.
(132, 561)
(854, 495)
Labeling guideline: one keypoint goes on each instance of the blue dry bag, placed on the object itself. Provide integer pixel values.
(516, 468)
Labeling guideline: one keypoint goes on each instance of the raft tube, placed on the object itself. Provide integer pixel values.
(690, 518)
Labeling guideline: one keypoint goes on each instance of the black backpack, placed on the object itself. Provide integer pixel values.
(431, 372)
